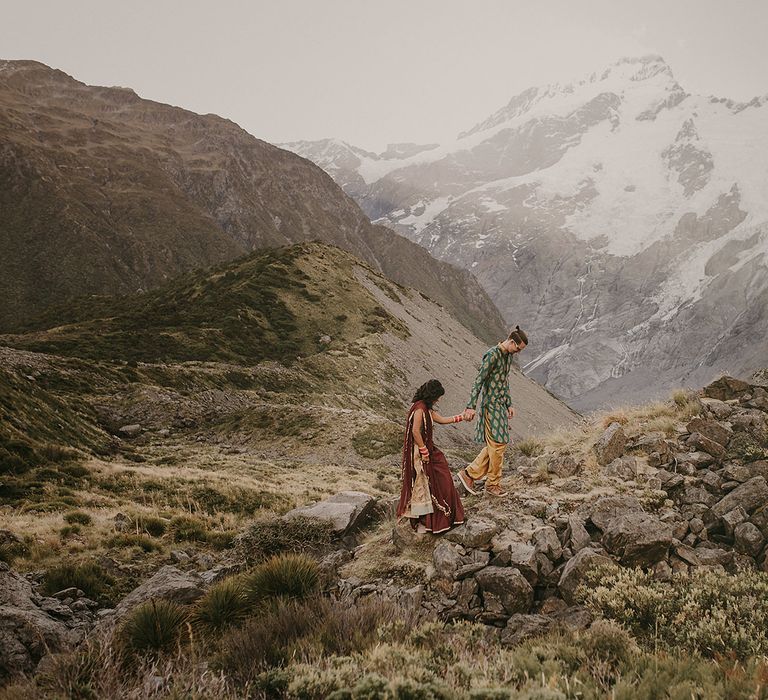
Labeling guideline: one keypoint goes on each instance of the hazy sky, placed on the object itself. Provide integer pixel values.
(373, 72)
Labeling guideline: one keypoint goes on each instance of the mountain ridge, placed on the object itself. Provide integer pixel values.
(105, 192)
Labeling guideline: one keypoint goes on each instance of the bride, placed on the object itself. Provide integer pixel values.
(428, 496)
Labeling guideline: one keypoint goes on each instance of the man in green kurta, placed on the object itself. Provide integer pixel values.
(495, 413)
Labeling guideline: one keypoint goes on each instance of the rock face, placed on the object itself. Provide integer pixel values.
(210, 191)
(27, 631)
(346, 511)
(549, 202)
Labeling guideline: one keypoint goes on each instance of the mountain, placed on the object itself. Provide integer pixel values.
(620, 219)
(103, 192)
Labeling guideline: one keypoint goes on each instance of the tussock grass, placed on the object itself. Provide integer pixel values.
(155, 626)
(267, 537)
(88, 577)
(530, 447)
(78, 517)
(282, 576)
(224, 605)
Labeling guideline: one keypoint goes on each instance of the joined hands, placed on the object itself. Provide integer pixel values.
(469, 414)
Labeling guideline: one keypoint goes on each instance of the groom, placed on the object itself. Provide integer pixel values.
(495, 413)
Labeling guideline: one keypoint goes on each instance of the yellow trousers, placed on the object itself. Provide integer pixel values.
(490, 459)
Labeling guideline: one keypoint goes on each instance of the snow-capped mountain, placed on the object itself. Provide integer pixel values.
(620, 219)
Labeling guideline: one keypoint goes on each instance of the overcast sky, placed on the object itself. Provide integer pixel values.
(374, 72)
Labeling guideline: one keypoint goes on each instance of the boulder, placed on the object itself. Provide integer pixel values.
(476, 533)
(733, 518)
(521, 556)
(130, 431)
(760, 518)
(639, 539)
(719, 409)
(726, 388)
(710, 555)
(576, 534)
(169, 583)
(545, 541)
(696, 459)
(710, 429)
(750, 496)
(737, 472)
(521, 627)
(346, 511)
(696, 494)
(27, 632)
(563, 466)
(608, 507)
(576, 568)
(508, 586)
(446, 558)
(704, 444)
(748, 539)
(610, 444)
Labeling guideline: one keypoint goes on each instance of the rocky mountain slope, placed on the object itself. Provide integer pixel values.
(103, 192)
(621, 218)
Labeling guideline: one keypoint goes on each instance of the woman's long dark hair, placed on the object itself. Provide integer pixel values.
(429, 392)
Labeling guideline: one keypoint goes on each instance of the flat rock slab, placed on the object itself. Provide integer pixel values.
(346, 511)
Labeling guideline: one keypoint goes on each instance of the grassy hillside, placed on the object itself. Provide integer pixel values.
(274, 305)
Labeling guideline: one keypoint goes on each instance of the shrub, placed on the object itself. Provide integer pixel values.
(221, 539)
(223, 605)
(707, 612)
(68, 531)
(283, 576)
(187, 528)
(268, 537)
(88, 577)
(608, 646)
(11, 549)
(78, 517)
(155, 626)
(530, 447)
(151, 524)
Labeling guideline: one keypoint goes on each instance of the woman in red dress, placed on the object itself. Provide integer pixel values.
(428, 496)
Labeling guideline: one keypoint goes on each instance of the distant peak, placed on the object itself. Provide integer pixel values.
(638, 68)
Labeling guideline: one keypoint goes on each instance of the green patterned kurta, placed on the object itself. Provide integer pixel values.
(493, 380)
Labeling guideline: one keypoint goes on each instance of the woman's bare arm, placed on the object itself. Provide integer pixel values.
(442, 420)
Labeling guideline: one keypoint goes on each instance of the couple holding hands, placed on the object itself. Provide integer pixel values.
(428, 495)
